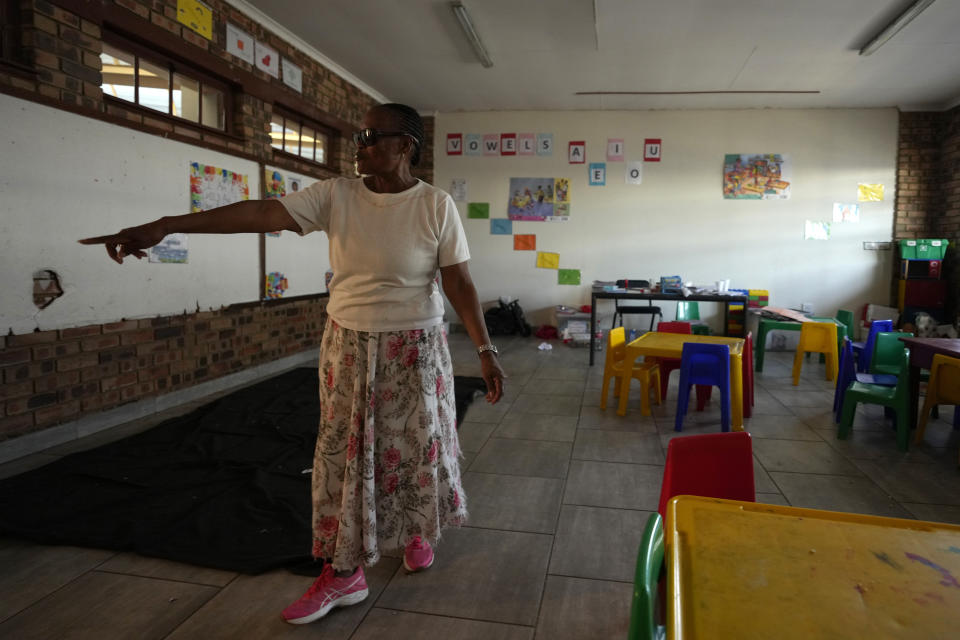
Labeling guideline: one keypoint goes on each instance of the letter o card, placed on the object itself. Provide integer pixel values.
(454, 144)
(651, 150)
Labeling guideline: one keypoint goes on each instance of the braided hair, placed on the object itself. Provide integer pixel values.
(408, 121)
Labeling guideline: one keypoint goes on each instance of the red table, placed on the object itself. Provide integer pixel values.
(922, 351)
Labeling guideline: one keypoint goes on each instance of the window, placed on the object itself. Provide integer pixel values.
(299, 136)
(11, 24)
(160, 84)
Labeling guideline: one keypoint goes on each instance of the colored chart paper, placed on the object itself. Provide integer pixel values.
(548, 260)
(525, 242)
(870, 192)
(478, 210)
(501, 226)
(568, 276)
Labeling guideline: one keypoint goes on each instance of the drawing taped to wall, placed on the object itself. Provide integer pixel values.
(756, 176)
(535, 198)
(274, 184)
(171, 250)
(211, 187)
(275, 285)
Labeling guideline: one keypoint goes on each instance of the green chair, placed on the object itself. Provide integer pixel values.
(846, 317)
(643, 610)
(896, 398)
(886, 352)
(690, 312)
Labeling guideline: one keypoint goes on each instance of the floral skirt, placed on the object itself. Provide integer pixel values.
(386, 466)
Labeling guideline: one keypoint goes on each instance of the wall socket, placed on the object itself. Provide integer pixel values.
(807, 307)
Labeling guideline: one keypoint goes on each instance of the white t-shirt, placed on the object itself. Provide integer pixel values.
(385, 250)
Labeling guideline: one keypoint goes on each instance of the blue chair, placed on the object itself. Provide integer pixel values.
(708, 364)
(643, 609)
(848, 374)
(864, 350)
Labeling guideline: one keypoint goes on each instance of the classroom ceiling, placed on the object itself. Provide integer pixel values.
(545, 51)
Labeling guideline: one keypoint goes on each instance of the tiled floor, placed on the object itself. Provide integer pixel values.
(558, 492)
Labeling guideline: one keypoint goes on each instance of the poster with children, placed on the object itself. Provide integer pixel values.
(535, 199)
(756, 176)
(211, 187)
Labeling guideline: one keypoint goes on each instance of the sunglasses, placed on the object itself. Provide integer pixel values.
(368, 137)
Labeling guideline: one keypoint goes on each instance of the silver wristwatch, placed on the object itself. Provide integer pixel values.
(486, 347)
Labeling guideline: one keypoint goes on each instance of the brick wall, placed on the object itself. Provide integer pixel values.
(51, 377)
(928, 188)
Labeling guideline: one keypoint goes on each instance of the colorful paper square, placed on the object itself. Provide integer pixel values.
(870, 192)
(568, 276)
(525, 242)
(501, 226)
(547, 260)
(598, 174)
(478, 210)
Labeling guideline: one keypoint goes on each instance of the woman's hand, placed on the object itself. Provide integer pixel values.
(493, 375)
(131, 241)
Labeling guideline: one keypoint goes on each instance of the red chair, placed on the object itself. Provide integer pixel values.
(670, 364)
(713, 465)
(704, 392)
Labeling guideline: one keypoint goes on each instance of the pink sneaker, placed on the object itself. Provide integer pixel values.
(327, 591)
(418, 555)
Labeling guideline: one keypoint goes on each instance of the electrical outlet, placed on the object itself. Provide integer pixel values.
(807, 307)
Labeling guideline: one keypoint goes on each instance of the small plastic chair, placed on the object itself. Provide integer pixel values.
(848, 373)
(864, 350)
(670, 364)
(886, 351)
(818, 337)
(712, 465)
(708, 364)
(646, 578)
(943, 388)
(846, 317)
(616, 367)
(704, 392)
(628, 309)
(896, 398)
(690, 312)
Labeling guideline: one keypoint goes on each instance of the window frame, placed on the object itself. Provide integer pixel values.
(174, 67)
(301, 122)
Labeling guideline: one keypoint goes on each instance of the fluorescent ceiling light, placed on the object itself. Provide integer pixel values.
(898, 23)
(470, 31)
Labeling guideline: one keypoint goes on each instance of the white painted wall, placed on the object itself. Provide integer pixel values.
(302, 259)
(677, 221)
(64, 177)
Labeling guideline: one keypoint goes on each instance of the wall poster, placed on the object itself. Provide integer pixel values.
(539, 199)
(756, 176)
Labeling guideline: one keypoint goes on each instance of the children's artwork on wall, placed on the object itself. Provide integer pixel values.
(458, 189)
(239, 43)
(561, 187)
(568, 276)
(274, 185)
(816, 230)
(634, 173)
(651, 150)
(598, 174)
(501, 226)
(870, 192)
(544, 144)
(266, 59)
(756, 176)
(478, 210)
(275, 285)
(846, 212)
(491, 144)
(526, 144)
(196, 16)
(292, 75)
(546, 260)
(561, 212)
(614, 149)
(473, 144)
(525, 242)
(172, 249)
(294, 184)
(577, 152)
(211, 187)
(532, 199)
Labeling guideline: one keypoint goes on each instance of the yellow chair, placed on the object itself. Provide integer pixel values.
(943, 388)
(817, 337)
(616, 366)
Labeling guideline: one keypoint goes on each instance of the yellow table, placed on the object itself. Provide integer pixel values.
(670, 345)
(748, 570)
